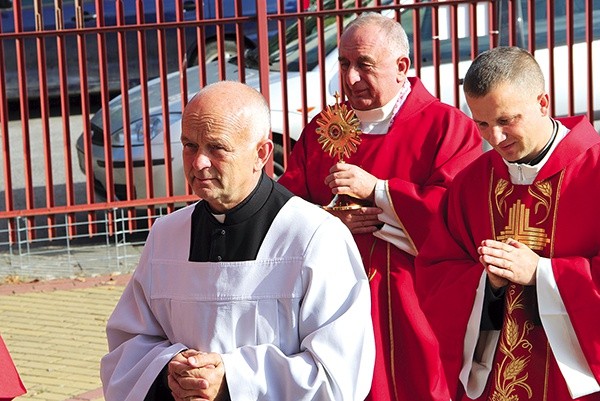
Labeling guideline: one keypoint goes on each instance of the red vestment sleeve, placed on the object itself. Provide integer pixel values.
(458, 144)
(447, 278)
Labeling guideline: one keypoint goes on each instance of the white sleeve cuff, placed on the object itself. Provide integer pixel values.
(479, 348)
(392, 230)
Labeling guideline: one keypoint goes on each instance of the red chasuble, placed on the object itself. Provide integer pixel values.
(10, 382)
(427, 144)
(558, 217)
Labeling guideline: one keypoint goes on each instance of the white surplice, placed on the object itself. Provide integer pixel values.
(294, 324)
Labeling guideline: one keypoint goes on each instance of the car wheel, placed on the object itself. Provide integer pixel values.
(278, 168)
(212, 51)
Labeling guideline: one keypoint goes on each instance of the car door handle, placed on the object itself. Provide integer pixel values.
(86, 17)
(189, 5)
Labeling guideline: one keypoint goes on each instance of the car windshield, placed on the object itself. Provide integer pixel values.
(311, 40)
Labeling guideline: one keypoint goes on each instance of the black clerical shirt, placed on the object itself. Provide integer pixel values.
(240, 236)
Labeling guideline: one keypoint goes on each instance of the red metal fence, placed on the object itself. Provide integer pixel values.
(59, 162)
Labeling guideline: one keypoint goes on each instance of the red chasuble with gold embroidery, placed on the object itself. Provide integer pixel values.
(557, 216)
(426, 146)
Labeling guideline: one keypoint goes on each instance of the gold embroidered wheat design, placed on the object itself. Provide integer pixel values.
(510, 371)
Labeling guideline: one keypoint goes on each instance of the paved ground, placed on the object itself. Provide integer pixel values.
(54, 331)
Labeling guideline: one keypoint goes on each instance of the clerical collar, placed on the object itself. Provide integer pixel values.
(546, 147)
(248, 206)
(379, 120)
(526, 173)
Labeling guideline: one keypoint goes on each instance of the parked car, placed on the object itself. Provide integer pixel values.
(295, 112)
(91, 15)
(293, 80)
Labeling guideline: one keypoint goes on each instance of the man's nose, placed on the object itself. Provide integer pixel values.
(201, 161)
(352, 75)
(496, 135)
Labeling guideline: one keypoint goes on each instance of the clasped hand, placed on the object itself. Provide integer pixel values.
(510, 261)
(196, 376)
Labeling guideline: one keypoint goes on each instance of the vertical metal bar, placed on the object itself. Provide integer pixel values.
(263, 43)
(221, 38)
(435, 48)
(570, 68)
(340, 29)
(473, 29)
(65, 114)
(322, 69)
(67, 239)
(187, 64)
(20, 240)
(589, 38)
(531, 25)
(512, 23)
(201, 39)
(4, 134)
(85, 110)
(239, 39)
(493, 17)
(302, 62)
(141, 39)
(123, 70)
(24, 107)
(551, 40)
(104, 99)
(45, 114)
(162, 55)
(183, 81)
(263, 59)
(110, 220)
(455, 52)
(181, 53)
(416, 22)
(285, 139)
(397, 13)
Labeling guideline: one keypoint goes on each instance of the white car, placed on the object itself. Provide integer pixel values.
(293, 118)
(294, 123)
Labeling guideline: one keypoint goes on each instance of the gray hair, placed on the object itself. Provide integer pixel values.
(502, 65)
(260, 124)
(391, 31)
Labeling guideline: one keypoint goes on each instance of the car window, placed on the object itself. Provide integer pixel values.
(560, 22)
(311, 40)
(522, 24)
(30, 3)
(443, 37)
(311, 43)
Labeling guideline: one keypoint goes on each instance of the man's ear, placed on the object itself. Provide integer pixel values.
(544, 102)
(403, 64)
(264, 150)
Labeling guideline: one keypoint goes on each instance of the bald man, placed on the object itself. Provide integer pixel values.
(231, 299)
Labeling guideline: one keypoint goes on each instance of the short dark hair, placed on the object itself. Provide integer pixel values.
(503, 65)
